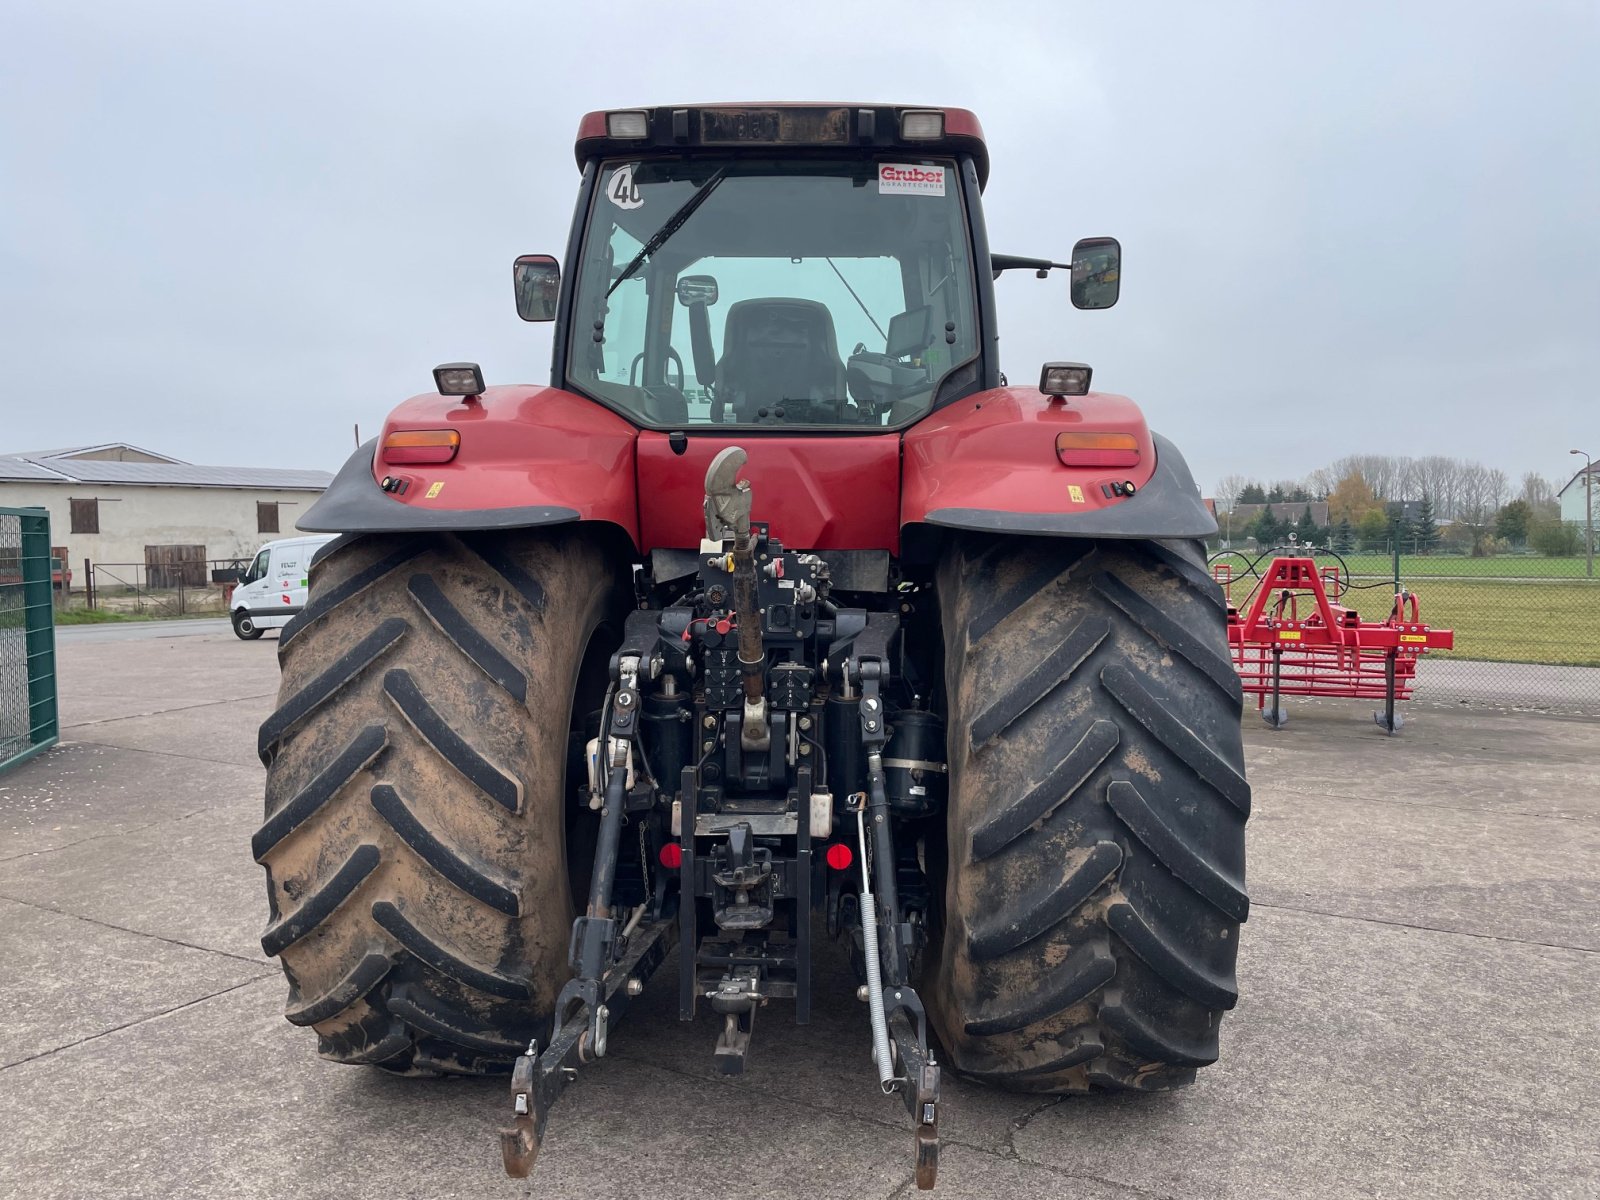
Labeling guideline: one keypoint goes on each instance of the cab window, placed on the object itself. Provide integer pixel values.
(257, 568)
(810, 293)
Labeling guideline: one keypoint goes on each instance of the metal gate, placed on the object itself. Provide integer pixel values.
(28, 719)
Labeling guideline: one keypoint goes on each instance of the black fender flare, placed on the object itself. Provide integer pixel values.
(1167, 507)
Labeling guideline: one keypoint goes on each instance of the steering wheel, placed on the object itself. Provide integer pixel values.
(673, 358)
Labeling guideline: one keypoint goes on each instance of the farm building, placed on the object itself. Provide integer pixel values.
(119, 504)
(1582, 490)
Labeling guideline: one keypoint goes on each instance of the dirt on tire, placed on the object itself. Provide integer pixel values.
(1094, 877)
(414, 841)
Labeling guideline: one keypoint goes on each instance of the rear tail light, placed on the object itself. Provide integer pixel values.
(421, 446)
(1097, 449)
(671, 856)
(839, 856)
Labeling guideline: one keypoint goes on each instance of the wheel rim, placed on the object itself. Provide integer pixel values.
(244, 625)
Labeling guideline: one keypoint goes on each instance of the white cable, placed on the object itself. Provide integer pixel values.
(633, 921)
(869, 940)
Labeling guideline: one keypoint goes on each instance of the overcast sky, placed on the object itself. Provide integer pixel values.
(231, 230)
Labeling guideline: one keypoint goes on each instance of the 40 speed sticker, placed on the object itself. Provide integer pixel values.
(621, 189)
(908, 179)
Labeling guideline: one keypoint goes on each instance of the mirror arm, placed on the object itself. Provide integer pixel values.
(1012, 262)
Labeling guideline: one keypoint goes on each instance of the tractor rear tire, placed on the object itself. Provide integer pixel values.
(1094, 877)
(414, 840)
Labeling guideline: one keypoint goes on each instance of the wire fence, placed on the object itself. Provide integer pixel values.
(173, 588)
(1527, 626)
(28, 717)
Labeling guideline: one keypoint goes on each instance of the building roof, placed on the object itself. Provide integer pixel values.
(14, 469)
(98, 448)
(59, 466)
(1591, 469)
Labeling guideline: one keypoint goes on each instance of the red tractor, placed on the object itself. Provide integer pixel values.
(778, 615)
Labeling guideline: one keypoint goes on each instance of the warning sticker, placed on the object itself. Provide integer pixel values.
(908, 179)
(1075, 492)
(435, 489)
(621, 189)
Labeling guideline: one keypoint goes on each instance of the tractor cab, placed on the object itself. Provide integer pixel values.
(777, 268)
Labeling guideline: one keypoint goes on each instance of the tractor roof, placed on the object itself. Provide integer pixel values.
(868, 128)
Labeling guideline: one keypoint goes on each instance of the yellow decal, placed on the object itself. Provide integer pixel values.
(1288, 635)
(1414, 637)
(435, 489)
(1075, 492)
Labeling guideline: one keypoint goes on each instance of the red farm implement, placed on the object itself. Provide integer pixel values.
(1291, 636)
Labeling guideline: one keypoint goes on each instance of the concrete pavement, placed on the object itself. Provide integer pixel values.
(127, 631)
(1417, 1013)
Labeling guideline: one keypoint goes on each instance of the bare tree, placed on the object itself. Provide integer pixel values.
(1539, 494)
(1321, 482)
(1440, 478)
(1407, 483)
(1478, 493)
(1383, 473)
(1228, 489)
(1496, 488)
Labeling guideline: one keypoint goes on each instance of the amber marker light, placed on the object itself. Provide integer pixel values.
(413, 446)
(1097, 449)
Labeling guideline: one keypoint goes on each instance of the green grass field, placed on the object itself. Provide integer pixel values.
(1503, 566)
(1452, 566)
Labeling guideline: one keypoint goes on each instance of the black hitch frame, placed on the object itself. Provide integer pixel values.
(918, 1078)
(539, 1079)
(741, 882)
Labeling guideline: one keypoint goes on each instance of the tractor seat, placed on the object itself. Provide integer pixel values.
(775, 350)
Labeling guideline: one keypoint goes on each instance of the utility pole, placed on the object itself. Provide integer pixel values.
(1588, 508)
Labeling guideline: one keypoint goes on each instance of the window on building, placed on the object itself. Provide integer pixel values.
(266, 517)
(85, 516)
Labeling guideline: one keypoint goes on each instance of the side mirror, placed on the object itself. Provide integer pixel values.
(1096, 272)
(537, 278)
(697, 289)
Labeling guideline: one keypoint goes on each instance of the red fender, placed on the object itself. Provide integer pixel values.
(528, 456)
(988, 462)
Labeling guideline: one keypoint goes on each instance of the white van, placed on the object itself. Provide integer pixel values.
(274, 588)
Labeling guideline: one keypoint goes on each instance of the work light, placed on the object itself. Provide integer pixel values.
(1065, 379)
(458, 379)
(628, 125)
(922, 126)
